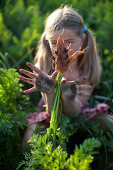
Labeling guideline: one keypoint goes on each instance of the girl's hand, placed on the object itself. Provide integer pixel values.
(72, 89)
(40, 80)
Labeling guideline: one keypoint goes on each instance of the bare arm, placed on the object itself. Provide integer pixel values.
(105, 122)
(48, 99)
(70, 90)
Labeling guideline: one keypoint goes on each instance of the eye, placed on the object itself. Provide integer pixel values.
(69, 42)
(53, 42)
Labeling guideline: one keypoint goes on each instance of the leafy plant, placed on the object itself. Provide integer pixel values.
(20, 30)
(82, 157)
(12, 118)
(43, 156)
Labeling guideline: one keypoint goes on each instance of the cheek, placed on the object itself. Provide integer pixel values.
(52, 47)
(74, 47)
(72, 50)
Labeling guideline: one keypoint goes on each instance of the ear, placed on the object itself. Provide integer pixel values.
(82, 41)
(83, 38)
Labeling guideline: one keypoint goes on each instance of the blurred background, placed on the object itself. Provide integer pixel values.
(21, 25)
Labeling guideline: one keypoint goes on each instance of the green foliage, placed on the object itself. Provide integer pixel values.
(20, 30)
(44, 156)
(9, 91)
(12, 118)
(82, 158)
(102, 24)
(5, 34)
(66, 129)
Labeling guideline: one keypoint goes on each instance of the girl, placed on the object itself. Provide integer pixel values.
(68, 23)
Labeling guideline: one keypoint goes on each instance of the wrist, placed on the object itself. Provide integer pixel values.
(72, 107)
(50, 95)
(49, 102)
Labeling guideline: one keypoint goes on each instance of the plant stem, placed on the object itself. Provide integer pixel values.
(55, 109)
(60, 112)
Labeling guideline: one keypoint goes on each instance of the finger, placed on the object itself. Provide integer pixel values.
(78, 102)
(54, 75)
(27, 80)
(68, 46)
(69, 52)
(84, 87)
(33, 89)
(80, 80)
(28, 73)
(33, 67)
(83, 94)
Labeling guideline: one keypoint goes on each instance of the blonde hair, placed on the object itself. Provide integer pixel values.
(88, 63)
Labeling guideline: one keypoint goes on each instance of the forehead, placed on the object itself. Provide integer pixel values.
(65, 33)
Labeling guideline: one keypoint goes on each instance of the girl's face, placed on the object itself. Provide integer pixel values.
(69, 37)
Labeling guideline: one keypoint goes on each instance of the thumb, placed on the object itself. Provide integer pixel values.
(54, 75)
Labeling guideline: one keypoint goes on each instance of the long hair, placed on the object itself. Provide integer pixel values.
(66, 17)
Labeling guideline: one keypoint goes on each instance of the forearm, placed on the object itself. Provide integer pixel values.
(27, 135)
(72, 107)
(105, 122)
(49, 102)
